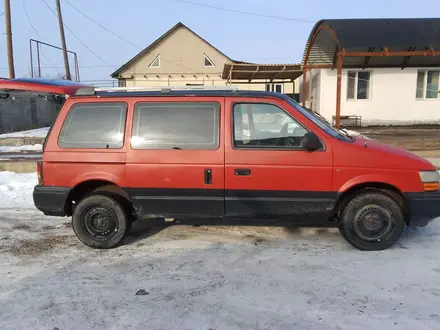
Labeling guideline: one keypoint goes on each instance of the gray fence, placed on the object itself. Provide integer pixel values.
(24, 112)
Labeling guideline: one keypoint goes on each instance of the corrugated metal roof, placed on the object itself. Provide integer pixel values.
(253, 71)
(360, 35)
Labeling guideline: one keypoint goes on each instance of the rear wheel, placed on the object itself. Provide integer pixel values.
(100, 222)
(372, 221)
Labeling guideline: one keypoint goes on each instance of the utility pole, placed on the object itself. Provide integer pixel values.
(9, 39)
(63, 41)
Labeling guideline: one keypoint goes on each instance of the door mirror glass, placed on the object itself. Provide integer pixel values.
(311, 142)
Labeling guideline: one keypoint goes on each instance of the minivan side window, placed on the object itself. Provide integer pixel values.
(176, 125)
(265, 126)
(94, 126)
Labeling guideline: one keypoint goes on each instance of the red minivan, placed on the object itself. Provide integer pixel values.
(222, 156)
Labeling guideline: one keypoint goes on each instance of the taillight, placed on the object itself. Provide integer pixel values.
(40, 172)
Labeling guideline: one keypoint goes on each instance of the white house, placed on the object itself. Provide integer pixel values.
(389, 70)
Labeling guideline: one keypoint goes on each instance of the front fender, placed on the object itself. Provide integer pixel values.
(369, 178)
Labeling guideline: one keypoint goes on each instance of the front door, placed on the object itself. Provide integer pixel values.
(267, 172)
(175, 160)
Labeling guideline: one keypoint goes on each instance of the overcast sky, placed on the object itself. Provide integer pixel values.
(241, 36)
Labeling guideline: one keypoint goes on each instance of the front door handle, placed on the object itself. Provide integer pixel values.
(242, 171)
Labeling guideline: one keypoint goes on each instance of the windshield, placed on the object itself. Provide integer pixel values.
(321, 122)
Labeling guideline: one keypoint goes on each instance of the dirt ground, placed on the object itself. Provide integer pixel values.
(424, 142)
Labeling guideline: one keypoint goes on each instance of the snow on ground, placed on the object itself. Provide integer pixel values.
(39, 132)
(16, 189)
(209, 277)
(27, 147)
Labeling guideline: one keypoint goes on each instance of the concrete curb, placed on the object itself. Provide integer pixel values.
(13, 142)
(19, 166)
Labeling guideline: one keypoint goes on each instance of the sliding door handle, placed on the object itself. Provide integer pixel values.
(208, 176)
(242, 171)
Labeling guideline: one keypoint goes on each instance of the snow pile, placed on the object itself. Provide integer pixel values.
(16, 190)
(28, 147)
(39, 133)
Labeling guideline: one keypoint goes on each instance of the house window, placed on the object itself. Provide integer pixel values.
(277, 88)
(207, 61)
(156, 62)
(122, 83)
(427, 84)
(358, 86)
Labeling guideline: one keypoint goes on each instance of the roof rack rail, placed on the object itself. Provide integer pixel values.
(164, 89)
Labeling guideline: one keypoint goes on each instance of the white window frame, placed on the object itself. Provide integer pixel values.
(206, 57)
(271, 87)
(152, 62)
(425, 84)
(356, 85)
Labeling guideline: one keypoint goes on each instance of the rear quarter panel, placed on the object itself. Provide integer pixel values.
(68, 167)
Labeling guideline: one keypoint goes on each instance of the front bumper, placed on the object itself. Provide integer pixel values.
(51, 200)
(423, 207)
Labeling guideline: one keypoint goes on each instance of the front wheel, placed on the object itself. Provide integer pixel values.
(100, 222)
(372, 221)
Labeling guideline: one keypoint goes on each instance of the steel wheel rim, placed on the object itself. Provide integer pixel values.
(100, 223)
(373, 223)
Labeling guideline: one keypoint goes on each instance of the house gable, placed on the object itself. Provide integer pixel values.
(179, 50)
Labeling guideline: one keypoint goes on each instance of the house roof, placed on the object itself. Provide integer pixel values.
(415, 35)
(156, 42)
(253, 71)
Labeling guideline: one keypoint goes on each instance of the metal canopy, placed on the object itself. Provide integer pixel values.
(389, 41)
(270, 72)
(371, 43)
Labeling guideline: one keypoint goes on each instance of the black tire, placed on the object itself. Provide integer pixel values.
(129, 226)
(99, 222)
(341, 230)
(372, 221)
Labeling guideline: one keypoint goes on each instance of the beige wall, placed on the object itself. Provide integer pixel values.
(181, 52)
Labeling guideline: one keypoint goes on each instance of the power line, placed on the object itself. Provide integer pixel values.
(77, 38)
(121, 38)
(33, 27)
(102, 26)
(81, 66)
(246, 12)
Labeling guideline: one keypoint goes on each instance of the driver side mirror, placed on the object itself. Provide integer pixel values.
(310, 142)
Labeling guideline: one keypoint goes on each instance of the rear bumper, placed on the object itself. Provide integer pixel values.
(423, 207)
(51, 200)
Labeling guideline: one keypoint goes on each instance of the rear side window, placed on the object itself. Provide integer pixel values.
(176, 126)
(94, 126)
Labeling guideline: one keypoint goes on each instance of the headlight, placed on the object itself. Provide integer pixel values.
(430, 180)
(429, 176)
